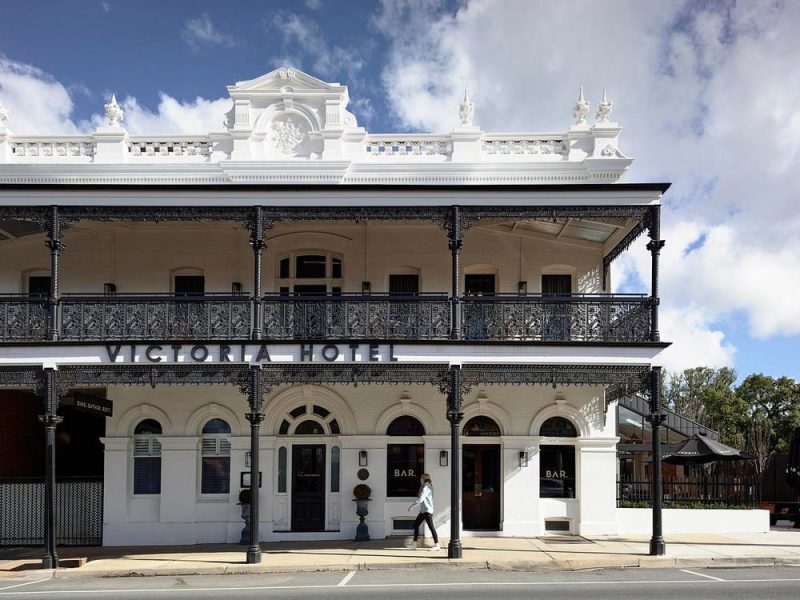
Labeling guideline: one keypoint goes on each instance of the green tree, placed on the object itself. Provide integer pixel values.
(706, 395)
(777, 402)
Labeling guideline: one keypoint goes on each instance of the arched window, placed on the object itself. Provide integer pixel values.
(405, 425)
(309, 427)
(328, 426)
(557, 463)
(558, 427)
(147, 457)
(481, 426)
(216, 458)
(404, 462)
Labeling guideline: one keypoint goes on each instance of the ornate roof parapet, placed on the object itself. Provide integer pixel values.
(289, 127)
(110, 140)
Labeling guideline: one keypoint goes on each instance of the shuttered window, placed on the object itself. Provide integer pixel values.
(215, 455)
(147, 458)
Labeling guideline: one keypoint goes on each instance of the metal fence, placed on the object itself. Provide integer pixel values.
(78, 512)
(581, 318)
(356, 317)
(686, 492)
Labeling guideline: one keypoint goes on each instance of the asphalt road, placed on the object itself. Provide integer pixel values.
(763, 583)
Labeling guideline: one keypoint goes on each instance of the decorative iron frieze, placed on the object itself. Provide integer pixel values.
(23, 318)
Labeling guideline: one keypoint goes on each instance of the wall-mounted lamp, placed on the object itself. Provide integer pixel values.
(522, 288)
(362, 458)
(109, 289)
(366, 287)
(523, 458)
(443, 458)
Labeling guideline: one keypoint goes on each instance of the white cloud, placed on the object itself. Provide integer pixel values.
(708, 95)
(313, 4)
(201, 31)
(303, 36)
(173, 116)
(105, 6)
(36, 102)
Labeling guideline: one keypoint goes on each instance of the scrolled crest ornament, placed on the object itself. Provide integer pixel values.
(287, 135)
(114, 113)
(581, 109)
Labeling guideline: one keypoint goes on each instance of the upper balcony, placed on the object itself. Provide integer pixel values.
(601, 318)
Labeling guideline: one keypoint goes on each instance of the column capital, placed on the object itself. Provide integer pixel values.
(655, 245)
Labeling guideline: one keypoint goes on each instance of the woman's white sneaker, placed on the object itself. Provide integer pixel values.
(411, 545)
(434, 548)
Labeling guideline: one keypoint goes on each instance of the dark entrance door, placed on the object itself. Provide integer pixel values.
(308, 487)
(481, 487)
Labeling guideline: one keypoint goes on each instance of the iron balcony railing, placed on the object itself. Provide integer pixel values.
(155, 316)
(22, 317)
(529, 318)
(546, 318)
(376, 316)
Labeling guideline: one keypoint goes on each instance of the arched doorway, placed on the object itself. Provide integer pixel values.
(481, 476)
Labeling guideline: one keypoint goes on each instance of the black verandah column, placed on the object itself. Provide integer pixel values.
(654, 245)
(454, 415)
(255, 417)
(454, 243)
(53, 242)
(656, 419)
(50, 420)
(258, 245)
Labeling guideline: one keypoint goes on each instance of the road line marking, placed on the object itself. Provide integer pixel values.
(347, 578)
(59, 593)
(701, 575)
(8, 587)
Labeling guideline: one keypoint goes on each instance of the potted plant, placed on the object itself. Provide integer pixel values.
(362, 493)
(245, 496)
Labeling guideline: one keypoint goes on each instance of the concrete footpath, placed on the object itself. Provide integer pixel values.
(778, 547)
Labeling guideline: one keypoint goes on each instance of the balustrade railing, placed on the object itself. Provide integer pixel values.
(574, 318)
(23, 317)
(419, 317)
(690, 492)
(148, 316)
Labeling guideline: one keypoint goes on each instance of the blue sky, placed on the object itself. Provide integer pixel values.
(708, 94)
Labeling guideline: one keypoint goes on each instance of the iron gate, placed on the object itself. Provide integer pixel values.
(78, 507)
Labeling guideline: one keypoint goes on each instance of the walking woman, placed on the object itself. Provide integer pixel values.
(425, 502)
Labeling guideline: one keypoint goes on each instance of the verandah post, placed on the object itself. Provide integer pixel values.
(255, 417)
(654, 245)
(53, 242)
(454, 415)
(258, 245)
(455, 243)
(656, 418)
(50, 420)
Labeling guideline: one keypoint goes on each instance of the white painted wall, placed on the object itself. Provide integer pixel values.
(143, 257)
(180, 514)
(632, 521)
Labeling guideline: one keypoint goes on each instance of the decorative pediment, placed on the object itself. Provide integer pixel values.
(282, 80)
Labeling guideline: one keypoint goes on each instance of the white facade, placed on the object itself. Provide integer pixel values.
(289, 128)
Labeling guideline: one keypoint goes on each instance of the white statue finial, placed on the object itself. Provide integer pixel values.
(114, 113)
(581, 109)
(604, 109)
(3, 113)
(466, 111)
